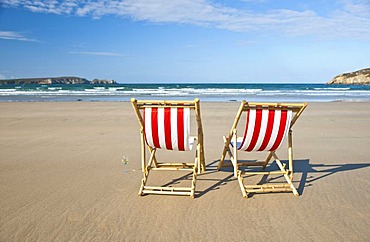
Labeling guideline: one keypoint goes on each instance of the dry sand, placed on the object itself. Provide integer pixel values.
(62, 179)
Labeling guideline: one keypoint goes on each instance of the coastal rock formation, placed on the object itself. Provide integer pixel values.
(47, 80)
(360, 77)
(55, 80)
(98, 81)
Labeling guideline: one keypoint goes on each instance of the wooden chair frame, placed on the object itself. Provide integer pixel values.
(232, 151)
(196, 167)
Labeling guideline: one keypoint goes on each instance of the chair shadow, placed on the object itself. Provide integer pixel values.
(314, 172)
(210, 168)
(307, 173)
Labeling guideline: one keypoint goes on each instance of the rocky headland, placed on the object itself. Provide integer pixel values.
(55, 80)
(360, 77)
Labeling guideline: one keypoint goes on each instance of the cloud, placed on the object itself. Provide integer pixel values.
(11, 35)
(50, 6)
(95, 53)
(351, 19)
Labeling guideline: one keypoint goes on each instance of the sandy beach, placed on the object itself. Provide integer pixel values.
(62, 179)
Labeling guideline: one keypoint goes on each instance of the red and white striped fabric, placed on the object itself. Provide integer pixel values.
(168, 128)
(265, 129)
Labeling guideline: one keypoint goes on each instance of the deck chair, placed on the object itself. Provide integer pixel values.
(267, 126)
(166, 125)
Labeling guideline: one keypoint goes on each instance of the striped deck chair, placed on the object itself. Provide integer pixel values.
(267, 126)
(166, 125)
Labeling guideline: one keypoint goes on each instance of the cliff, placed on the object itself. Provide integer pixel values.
(55, 80)
(360, 77)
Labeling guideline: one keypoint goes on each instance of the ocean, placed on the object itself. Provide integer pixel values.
(206, 92)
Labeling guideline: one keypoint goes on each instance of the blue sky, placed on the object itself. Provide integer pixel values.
(193, 41)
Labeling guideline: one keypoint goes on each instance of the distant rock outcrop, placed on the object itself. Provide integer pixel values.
(360, 77)
(54, 80)
(99, 81)
(47, 80)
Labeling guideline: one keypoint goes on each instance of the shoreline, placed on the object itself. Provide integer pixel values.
(185, 99)
(211, 92)
(62, 178)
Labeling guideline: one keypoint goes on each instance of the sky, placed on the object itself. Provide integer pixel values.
(185, 41)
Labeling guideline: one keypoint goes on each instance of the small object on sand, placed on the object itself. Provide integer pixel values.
(124, 160)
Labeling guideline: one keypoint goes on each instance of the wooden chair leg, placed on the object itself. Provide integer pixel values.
(147, 169)
(226, 149)
(234, 160)
(193, 182)
(267, 160)
(241, 184)
(202, 160)
(286, 175)
(199, 159)
(290, 153)
(143, 181)
(152, 159)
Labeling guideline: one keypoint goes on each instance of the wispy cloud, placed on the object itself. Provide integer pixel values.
(351, 19)
(50, 6)
(95, 53)
(11, 35)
